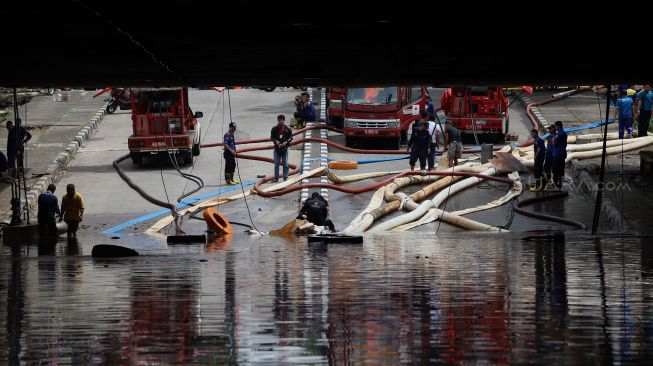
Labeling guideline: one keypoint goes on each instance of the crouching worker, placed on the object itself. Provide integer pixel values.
(316, 211)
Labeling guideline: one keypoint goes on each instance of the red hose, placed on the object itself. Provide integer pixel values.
(253, 141)
(536, 123)
(370, 187)
(334, 145)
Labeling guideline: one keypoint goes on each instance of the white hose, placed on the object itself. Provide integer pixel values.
(426, 205)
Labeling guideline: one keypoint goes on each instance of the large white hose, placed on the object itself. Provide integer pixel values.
(599, 145)
(580, 155)
(422, 209)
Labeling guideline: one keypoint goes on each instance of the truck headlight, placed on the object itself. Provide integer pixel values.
(393, 125)
(350, 124)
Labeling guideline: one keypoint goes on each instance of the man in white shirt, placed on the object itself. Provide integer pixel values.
(435, 137)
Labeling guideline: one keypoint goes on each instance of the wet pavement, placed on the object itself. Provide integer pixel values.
(408, 298)
(435, 294)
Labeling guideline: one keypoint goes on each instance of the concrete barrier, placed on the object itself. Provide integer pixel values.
(63, 159)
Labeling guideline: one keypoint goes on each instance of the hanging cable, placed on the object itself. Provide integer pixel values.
(202, 140)
(471, 115)
(599, 194)
(249, 212)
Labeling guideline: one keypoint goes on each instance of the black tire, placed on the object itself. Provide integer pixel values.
(187, 157)
(395, 143)
(500, 138)
(404, 135)
(269, 89)
(196, 149)
(137, 159)
(350, 141)
(111, 107)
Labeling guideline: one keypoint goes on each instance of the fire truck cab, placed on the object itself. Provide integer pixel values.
(335, 103)
(480, 110)
(385, 112)
(163, 122)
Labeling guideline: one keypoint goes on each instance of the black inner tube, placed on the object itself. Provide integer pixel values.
(518, 208)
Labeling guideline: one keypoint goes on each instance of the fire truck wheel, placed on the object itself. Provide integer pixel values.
(137, 159)
(349, 141)
(404, 135)
(395, 143)
(196, 149)
(188, 157)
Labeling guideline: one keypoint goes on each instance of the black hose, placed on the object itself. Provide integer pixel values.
(562, 220)
(141, 192)
(193, 215)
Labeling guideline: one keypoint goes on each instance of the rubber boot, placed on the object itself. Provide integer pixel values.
(228, 178)
(537, 187)
(549, 182)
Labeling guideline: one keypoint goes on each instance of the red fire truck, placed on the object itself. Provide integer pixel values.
(480, 110)
(163, 122)
(335, 102)
(386, 112)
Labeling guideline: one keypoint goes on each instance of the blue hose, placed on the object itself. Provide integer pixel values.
(584, 127)
(182, 204)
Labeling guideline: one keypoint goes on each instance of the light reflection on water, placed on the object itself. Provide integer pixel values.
(409, 298)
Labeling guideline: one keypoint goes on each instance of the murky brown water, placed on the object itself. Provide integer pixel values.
(397, 299)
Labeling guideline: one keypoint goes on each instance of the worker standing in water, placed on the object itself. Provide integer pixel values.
(540, 153)
(72, 210)
(229, 154)
(48, 211)
(548, 158)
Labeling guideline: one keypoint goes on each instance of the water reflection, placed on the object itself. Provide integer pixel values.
(398, 299)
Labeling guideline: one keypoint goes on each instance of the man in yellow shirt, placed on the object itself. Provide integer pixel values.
(72, 210)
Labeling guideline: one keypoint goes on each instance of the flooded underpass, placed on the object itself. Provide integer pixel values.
(405, 298)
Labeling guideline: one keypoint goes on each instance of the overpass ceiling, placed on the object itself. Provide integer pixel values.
(211, 43)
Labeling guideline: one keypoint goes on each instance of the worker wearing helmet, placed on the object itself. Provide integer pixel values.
(624, 111)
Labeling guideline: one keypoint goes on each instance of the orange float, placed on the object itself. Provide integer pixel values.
(217, 222)
(343, 165)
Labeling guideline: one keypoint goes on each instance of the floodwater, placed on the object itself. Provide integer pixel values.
(396, 299)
